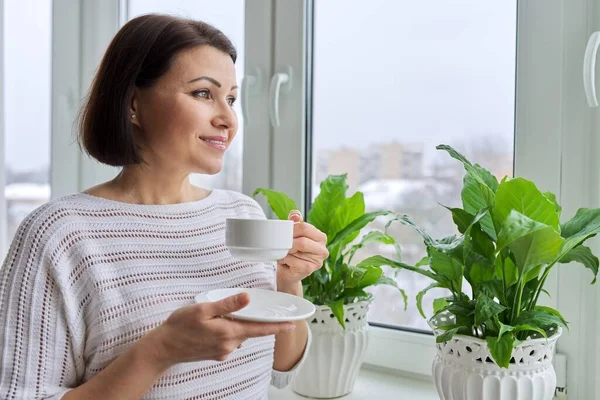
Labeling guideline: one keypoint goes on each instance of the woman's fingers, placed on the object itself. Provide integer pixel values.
(259, 329)
(225, 306)
(308, 246)
(304, 229)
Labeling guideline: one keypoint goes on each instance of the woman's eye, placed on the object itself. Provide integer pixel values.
(203, 94)
(231, 101)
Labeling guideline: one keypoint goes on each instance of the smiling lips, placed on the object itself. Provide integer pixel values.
(217, 142)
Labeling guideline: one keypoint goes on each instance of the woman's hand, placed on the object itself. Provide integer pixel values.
(198, 332)
(306, 256)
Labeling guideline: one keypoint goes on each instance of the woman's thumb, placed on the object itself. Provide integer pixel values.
(230, 304)
(295, 216)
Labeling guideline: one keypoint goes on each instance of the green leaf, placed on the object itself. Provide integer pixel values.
(354, 293)
(369, 238)
(421, 294)
(478, 273)
(447, 266)
(486, 309)
(381, 261)
(532, 274)
(526, 327)
(279, 202)
(479, 186)
(321, 275)
(463, 311)
(456, 155)
(331, 196)
(585, 224)
(349, 210)
(503, 328)
(354, 227)
(511, 272)
(370, 276)
(552, 197)
(477, 196)
(541, 318)
(531, 242)
(423, 262)
(439, 304)
(479, 256)
(493, 289)
(583, 255)
(337, 308)
(406, 220)
(483, 176)
(501, 349)
(446, 336)
(385, 280)
(524, 197)
(461, 218)
(481, 243)
(490, 180)
(553, 312)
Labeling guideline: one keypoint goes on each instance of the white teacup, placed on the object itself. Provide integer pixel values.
(259, 239)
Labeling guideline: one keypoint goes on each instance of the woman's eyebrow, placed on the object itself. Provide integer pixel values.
(211, 80)
(207, 78)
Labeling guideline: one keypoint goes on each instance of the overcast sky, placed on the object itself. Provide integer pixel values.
(405, 70)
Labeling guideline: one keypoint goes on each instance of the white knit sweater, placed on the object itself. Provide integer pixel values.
(86, 277)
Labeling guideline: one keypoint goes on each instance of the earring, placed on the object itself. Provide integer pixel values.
(132, 116)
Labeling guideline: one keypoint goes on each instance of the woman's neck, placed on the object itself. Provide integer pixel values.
(141, 185)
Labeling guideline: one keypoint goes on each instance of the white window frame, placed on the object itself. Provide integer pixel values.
(82, 30)
(3, 225)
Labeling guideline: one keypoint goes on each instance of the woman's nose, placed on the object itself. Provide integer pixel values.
(225, 116)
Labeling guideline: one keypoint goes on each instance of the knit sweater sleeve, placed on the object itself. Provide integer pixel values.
(36, 343)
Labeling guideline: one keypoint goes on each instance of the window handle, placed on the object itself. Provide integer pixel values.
(280, 82)
(250, 82)
(589, 69)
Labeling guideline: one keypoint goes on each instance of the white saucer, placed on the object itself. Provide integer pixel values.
(264, 306)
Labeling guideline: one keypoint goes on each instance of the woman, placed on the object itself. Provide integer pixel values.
(96, 293)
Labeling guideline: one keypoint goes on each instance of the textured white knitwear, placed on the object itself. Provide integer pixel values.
(86, 277)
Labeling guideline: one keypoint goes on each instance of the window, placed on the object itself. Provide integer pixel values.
(380, 107)
(26, 108)
(229, 17)
(553, 142)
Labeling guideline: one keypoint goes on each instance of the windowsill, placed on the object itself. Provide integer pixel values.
(376, 384)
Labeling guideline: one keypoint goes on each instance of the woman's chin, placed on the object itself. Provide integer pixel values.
(208, 169)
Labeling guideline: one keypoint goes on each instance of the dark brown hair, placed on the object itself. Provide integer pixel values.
(141, 52)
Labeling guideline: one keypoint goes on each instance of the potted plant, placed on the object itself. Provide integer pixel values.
(339, 328)
(497, 341)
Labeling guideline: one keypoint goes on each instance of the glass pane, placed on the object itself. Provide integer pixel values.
(393, 79)
(228, 16)
(27, 96)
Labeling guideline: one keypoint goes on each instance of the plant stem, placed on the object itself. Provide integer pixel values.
(503, 273)
(520, 289)
(517, 301)
(539, 288)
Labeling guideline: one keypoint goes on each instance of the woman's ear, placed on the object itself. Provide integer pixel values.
(133, 109)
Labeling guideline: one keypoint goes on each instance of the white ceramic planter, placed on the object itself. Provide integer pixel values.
(335, 355)
(463, 369)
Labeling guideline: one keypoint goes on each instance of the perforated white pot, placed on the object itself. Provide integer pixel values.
(463, 369)
(335, 357)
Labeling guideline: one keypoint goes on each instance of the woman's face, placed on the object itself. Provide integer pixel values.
(185, 121)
